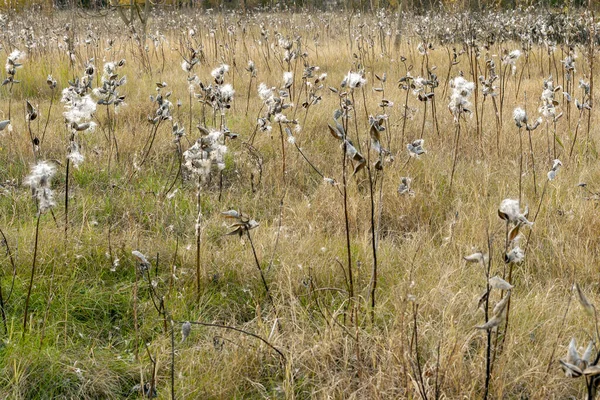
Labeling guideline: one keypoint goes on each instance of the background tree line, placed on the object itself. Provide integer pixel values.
(298, 5)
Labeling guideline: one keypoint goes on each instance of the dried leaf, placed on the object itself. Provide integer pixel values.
(587, 306)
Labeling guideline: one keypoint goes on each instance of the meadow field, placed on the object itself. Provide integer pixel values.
(299, 205)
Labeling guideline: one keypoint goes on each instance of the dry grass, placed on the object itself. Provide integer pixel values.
(90, 348)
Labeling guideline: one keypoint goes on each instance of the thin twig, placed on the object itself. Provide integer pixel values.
(240, 331)
(35, 251)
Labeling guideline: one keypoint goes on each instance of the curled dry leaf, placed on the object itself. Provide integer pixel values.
(587, 306)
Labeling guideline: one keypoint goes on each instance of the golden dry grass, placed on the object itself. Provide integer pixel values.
(90, 348)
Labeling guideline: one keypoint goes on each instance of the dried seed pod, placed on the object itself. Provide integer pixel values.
(492, 323)
(475, 257)
(587, 306)
(186, 328)
(501, 306)
(498, 283)
(571, 371)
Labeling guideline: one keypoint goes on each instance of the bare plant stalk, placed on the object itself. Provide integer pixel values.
(434, 113)
(474, 71)
(198, 237)
(265, 341)
(282, 154)
(498, 125)
(48, 301)
(262, 275)
(178, 173)
(555, 134)
(110, 142)
(3, 301)
(248, 98)
(279, 227)
(67, 201)
(576, 131)
(35, 251)
(2, 309)
(520, 166)
(10, 99)
(172, 362)
(417, 362)
(404, 117)
(373, 242)
(502, 93)
(172, 272)
(558, 335)
(347, 222)
(191, 114)
(450, 62)
(424, 117)
(488, 351)
(518, 88)
(32, 140)
(355, 122)
(135, 316)
(153, 376)
(532, 162)
(455, 152)
(539, 207)
(149, 143)
(548, 142)
(591, 54)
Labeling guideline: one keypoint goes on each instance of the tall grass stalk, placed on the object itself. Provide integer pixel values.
(33, 265)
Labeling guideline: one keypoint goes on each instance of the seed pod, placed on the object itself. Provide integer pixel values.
(498, 283)
(186, 328)
(587, 306)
